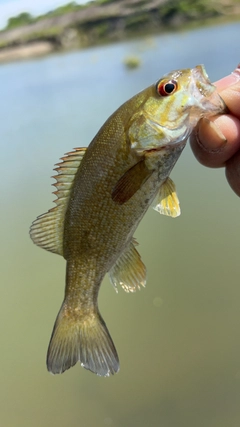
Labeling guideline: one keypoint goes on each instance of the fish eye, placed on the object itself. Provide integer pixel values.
(166, 88)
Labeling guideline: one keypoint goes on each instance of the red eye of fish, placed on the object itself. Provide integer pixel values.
(166, 88)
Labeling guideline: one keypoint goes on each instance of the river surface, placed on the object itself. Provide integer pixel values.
(179, 339)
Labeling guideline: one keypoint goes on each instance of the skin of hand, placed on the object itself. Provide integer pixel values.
(216, 142)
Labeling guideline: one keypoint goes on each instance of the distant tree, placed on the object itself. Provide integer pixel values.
(23, 18)
(69, 7)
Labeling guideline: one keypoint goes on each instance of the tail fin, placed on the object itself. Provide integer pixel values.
(81, 338)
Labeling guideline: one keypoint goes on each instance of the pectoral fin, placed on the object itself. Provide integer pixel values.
(167, 200)
(130, 182)
(129, 270)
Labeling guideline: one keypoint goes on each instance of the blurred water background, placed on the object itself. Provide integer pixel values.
(178, 339)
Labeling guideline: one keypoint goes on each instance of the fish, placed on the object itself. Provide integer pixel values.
(103, 192)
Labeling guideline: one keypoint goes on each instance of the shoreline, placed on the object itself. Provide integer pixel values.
(108, 24)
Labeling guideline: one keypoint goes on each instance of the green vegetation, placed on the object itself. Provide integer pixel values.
(45, 34)
(19, 20)
(135, 22)
(62, 10)
(172, 11)
(25, 18)
(100, 2)
(189, 9)
(132, 62)
(101, 23)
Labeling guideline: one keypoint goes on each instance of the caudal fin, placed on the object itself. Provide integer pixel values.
(81, 338)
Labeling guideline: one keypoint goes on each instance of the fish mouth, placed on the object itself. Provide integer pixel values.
(207, 95)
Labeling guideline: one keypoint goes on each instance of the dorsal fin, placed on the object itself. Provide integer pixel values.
(47, 230)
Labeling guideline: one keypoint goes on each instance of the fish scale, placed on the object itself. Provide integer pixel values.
(103, 192)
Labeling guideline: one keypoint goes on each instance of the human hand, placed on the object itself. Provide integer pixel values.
(216, 143)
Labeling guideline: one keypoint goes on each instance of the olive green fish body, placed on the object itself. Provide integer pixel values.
(96, 225)
(103, 192)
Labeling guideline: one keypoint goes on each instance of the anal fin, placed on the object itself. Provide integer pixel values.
(129, 271)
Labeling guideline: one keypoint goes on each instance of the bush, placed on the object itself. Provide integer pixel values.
(17, 21)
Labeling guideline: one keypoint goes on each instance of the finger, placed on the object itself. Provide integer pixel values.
(231, 96)
(228, 80)
(215, 142)
(233, 173)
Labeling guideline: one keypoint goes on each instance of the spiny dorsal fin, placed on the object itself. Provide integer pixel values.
(167, 200)
(130, 182)
(47, 230)
(129, 270)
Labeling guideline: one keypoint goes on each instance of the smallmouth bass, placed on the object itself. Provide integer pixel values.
(103, 191)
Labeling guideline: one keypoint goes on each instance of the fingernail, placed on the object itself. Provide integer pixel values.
(210, 136)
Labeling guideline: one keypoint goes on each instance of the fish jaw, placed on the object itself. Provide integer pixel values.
(171, 119)
(206, 101)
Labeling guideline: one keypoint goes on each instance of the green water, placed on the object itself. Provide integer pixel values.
(178, 340)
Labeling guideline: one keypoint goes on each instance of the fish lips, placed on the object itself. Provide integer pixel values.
(209, 99)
